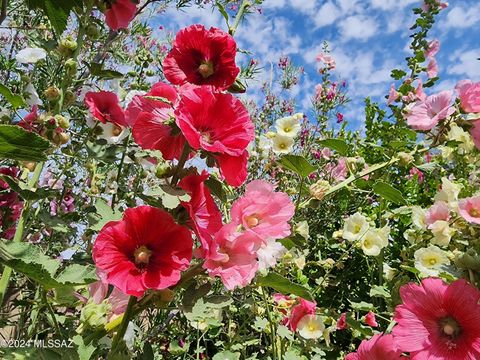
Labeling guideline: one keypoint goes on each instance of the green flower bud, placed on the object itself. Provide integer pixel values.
(62, 121)
(67, 46)
(71, 67)
(52, 93)
(95, 315)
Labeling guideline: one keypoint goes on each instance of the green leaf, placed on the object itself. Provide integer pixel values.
(18, 144)
(169, 196)
(222, 10)
(297, 164)
(30, 261)
(16, 101)
(216, 187)
(23, 191)
(227, 355)
(104, 215)
(283, 285)
(105, 74)
(398, 74)
(388, 192)
(362, 306)
(85, 352)
(57, 11)
(338, 145)
(77, 274)
(379, 291)
(356, 325)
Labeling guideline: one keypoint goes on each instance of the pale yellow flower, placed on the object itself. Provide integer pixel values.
(355, 227)
(442, 232)
(429, 261)
(282, 144)
(288, 126)
(311, 327)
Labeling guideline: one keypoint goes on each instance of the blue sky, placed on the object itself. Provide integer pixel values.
(367, 38)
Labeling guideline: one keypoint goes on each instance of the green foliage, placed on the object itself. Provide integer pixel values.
(18, 144)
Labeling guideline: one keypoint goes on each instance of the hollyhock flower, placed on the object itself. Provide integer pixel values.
(30, 55)
(438, 321)
(120, 13)
(475, 132)
(442, 5)
(469, 94)
(311, 326)
(160, 96)
(449, 193)
(137, 253)
(220, 124)
(327, 59)
(282, 144)
(232, 256)
(426, 114)
(205, 217)
(379, 347)
(98, 293)
(31, 96)
(430, 261)
(419, 93)
(438, 211)
(469, 209)
(416, 172)
(289, 126)
(202, 57)
(104, 106)
(432, 68)
(263, 211)
(111, 132)
(419, 216)
(374, 240)
(355, 227)
(269, 253)
(392, 95)
(337, 172)
(465, 140)
(442, 232)
(304, 307)
(432, 48)
(342, 322)
(370, 319)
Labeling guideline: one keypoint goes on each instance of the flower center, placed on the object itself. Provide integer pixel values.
(311, 327)
(432, 261)
(357, 229)
(252, 221)
(206, 69)
(117, 130)
(142, 255)
(287, 129)
(474, 212)
(450, 327)
(283, 146)
(367, 244)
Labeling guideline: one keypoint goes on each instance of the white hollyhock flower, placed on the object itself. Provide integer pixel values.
(311, 327)
(456, 133)
(110, 132)
(442, 232)
(282, 144)
(32, 97)
(269, 253)
(418, 217)
(430, 261)
(374, 241)
(303, 229)
(449, 193)
(355, 227)
(30, 55)
(288, 126)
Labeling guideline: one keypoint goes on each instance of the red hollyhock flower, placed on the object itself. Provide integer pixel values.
(220, 124)
(202, 57)
(104, 106)
(120, 13)
(144, 250)
(206, 218)
(152, 120)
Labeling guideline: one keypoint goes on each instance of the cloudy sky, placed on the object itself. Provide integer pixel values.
(367, 38)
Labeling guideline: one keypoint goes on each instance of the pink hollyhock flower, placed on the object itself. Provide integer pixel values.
(370, 319)
(160, 96)
(469, 209)
(120, 13)
(202, 57)
(425, 115)
(98, 292)
(205, 217)
(438, 321)
(419, 93)
(263, 211)
(220, 124)
(337, 172)
(442, 5)
(327, 59)
(438, 211)
(28, 122)
(432, 68)
(414, 171)
(469, 94)
(104, 106)
(392, 95)
(379, 347)
(137, 253)
(232, 256)
(303, 308)
(432, 48)
(342, 322)
(475, 132)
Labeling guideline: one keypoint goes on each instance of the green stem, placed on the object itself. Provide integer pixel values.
(123, 327)
(270, 321)
(181, 162)
(7, 271)
(119, 172)
(51, 313)
(240, 15)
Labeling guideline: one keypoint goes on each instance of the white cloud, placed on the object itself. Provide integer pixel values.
(358, 27)
(466, 63)
(392, 5)
(327, 15)
(462, 17)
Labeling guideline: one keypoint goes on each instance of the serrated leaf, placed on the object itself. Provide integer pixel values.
(18, 144)
(297, 164)
(226, 355)
(57, 11)
(283, 285)
(388, 192)
(379, 291)
(104, 215)
(85, 352)
(338, 145)
(15, 100)
(77, 274)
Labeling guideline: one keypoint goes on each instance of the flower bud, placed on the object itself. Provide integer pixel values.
(92, 31)
(161, 170)
(405, 158)
(95, 315)
(62, 121)
(52, 93)
(30, 165)
(60, 138)
(67, 46)
(319, 189)
(69, 98)
(70, 67)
